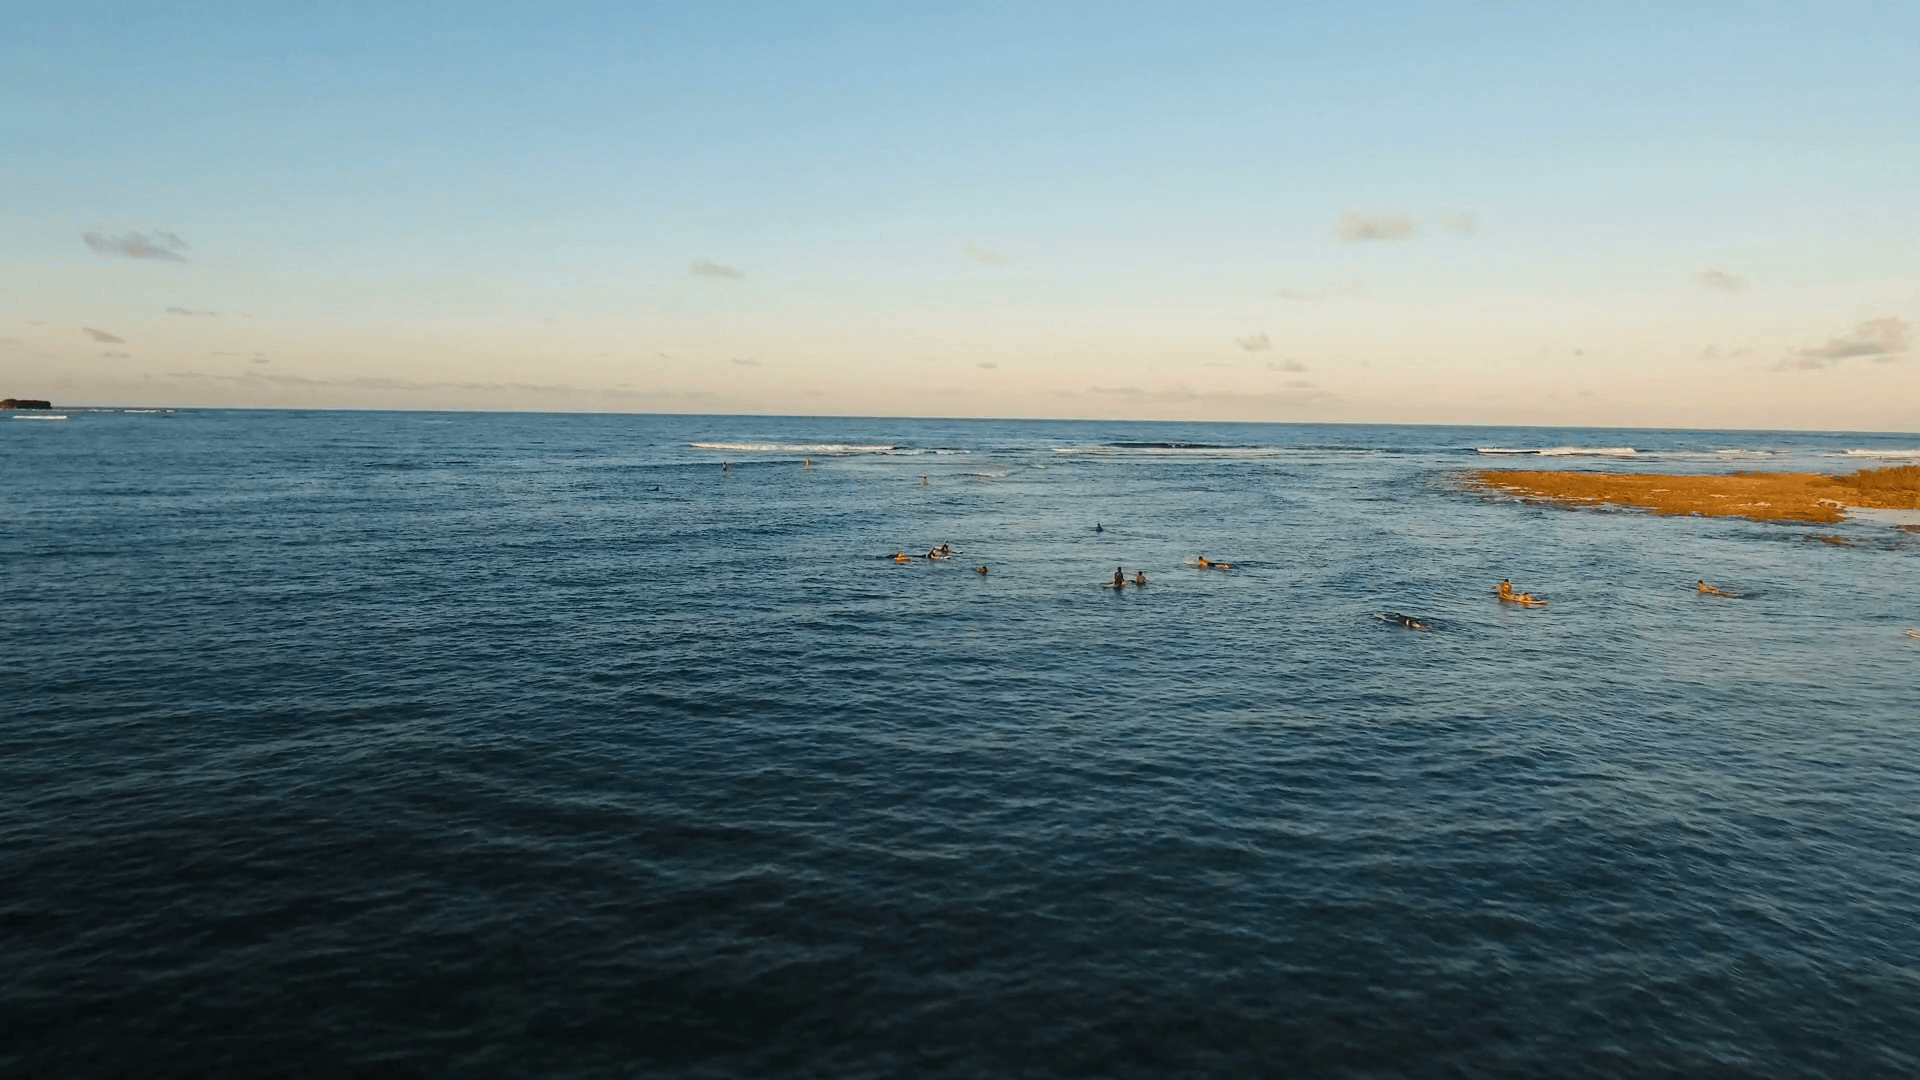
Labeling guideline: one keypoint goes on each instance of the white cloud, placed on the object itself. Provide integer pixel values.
(1879, 340)
(985, 256)
(709, 268)
(161, 245)
(1721, 280)
(1358, 228)
(1256, 343)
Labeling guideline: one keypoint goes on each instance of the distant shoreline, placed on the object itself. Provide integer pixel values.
(1760, 496)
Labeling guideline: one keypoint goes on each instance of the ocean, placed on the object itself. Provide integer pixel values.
(421, 744)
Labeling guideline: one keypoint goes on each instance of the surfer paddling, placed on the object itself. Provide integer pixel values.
(1702, 586)
(901, 556)
(1205, 563)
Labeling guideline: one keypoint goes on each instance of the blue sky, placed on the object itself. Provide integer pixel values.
(430, 205)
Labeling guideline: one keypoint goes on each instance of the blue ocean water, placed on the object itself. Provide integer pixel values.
(416, 743)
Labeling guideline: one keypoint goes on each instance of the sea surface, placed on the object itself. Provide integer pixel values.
(428, 744)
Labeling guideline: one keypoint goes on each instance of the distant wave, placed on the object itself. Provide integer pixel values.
(38, 416)
(1167, 450)
(1176, 446)
(1882, 453)
(1564, 451)
(797, 448)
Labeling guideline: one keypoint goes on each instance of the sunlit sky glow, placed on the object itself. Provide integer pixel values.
(1695, 215)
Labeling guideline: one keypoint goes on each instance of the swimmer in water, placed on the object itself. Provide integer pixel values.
(981, 570)
(1097, 528)
(726, 466)
(901, 556)
(1140, 577)
(806, 463)
(923, 481)
(1119, 578)
(1702, 586)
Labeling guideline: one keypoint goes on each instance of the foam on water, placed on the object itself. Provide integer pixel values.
(1564, 451)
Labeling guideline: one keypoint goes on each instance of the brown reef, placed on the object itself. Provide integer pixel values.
(1757, 495)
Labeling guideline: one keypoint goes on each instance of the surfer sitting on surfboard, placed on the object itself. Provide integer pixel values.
(1119, 578)
(1504, 591)
(1140, 577)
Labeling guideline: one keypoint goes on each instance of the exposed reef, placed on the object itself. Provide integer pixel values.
(1757, 495)
(24, 403)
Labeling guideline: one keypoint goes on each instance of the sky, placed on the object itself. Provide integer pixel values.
(1697, 215)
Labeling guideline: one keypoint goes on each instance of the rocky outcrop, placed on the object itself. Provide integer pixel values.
(24, 403)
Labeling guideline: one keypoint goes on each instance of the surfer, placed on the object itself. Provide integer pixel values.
(946, 548)
(1409, 621)
(1505, 592)
(726, 466)
(1097, 528)
(1205, 563)
(901, 556)
(1702, 586)
(923, 481)
(936, 556)
(981, 570)
(1140, 577)
(1119, 578)
(806, 463)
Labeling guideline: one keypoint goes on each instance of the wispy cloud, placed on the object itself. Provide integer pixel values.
(1349, 288)
(160, 244)
(263, 379)
(987, 364)
(102, 335)
(1300, 392)
(746, 361)
(1288, 364)
(985, 256)
(1879, 340)
(1721, 280)
(1459, 222)
(1256, 343)
(1358, 228)
(709, 268)
(192, 314)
